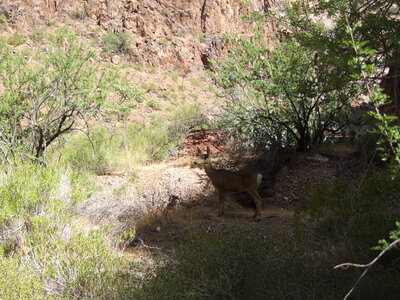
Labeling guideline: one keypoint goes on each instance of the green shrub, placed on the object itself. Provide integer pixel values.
(186, 118)
(117, 43)
(16, 39)
(24, 189)
(182, 88)
(67, 71)
(280, 97)
(123, 149)
(130, 145)
(130, 92)
(153, 103)
(89, 153)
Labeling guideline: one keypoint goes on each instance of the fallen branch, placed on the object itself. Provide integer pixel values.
(345, 266)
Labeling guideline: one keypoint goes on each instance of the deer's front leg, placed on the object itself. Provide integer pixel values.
(221, 195)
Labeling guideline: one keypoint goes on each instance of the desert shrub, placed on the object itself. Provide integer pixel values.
(43, 99)
(117, 43)
(102, 151)
(186, 118)
(153, 103)
(129, 92)
(88, 152)
(79, 14)
(16, 39)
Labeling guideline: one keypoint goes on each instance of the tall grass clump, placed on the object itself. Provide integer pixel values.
(44, 252)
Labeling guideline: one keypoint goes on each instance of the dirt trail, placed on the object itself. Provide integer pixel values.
(166, 201)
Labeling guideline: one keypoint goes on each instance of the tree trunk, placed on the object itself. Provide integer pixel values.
(391, 87)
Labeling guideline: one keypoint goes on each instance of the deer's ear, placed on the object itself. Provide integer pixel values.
(198, 151)
(208, 150)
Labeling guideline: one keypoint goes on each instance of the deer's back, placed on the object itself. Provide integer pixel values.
(234, 181)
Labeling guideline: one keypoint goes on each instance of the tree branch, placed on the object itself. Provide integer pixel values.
(366, 266)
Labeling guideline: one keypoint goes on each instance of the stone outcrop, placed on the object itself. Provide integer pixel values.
(179, 34)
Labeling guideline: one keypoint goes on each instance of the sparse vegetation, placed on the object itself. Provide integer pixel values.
(150, 87)
(79, 15)
(153, 103)
(182, 88)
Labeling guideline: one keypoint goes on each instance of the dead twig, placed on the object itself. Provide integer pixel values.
(141, 244)
(366, 266)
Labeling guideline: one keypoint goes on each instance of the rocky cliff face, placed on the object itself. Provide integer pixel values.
(180, 34)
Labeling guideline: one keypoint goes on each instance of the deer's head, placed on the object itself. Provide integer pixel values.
(201, 159)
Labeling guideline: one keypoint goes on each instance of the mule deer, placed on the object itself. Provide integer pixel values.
(233, 181)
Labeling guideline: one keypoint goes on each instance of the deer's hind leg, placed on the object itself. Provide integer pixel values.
(221, 196)
(257, 200)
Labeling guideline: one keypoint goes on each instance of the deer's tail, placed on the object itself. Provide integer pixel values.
(259, 178)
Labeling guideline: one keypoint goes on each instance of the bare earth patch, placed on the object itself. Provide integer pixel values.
(164, 202)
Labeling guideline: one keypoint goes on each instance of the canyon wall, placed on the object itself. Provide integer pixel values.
(180, 35)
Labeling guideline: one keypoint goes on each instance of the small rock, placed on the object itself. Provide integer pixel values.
(318, 158)
(116, 59)
(158, 229)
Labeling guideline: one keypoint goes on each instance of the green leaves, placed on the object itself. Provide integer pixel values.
(394, 235)
(285, 96)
